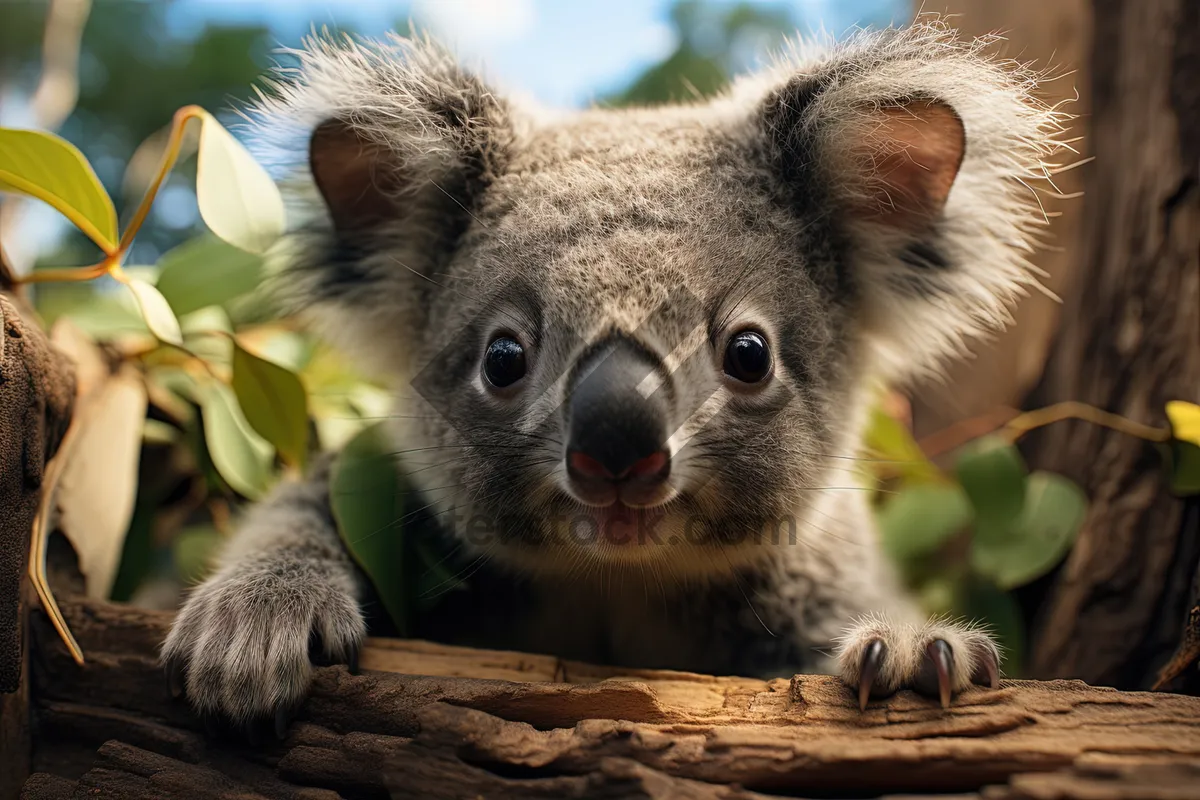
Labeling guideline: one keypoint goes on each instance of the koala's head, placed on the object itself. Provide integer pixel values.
(665, 317)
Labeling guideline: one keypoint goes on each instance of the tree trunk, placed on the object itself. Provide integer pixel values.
(37, 389)
(1129, 342)
(427, 720)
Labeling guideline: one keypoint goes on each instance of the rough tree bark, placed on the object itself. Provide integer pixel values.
(426, 721)
(36, 395)
(1129, 342)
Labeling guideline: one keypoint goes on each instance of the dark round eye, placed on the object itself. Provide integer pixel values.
(504, 362)
(747, 357)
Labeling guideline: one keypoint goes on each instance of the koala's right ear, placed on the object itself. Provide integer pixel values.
(395, 126)
(402, 145)
(358, 178)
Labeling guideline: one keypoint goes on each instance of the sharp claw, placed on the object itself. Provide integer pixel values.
(940, 657)
(872, 658)
(987, 673)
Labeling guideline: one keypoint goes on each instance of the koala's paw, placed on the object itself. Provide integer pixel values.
(241, 646)
(938, 659)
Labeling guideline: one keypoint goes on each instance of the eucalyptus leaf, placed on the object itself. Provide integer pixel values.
(988, 604)
(368, 505)
(53, 170)
(1039, 538)
(98, 486)
(888, 440)
(157, 312)
(194, 549)
(284, 347)
(1183, 464)
(1183, 451)
(993, 475)
(207, 271)
(919, 519)
(204, 321)
(239, 454)
(238, 200)
(274, 403)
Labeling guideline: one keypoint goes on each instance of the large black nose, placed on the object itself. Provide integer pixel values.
(616, 426)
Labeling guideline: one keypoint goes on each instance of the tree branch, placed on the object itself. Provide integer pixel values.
(426, 720)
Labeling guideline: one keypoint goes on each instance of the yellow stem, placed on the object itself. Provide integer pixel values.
(41, 538)
(68, 275)
(170, 156)
(112, 263)
(1024, 423)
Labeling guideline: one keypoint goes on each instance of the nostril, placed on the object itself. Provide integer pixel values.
(588, 467)
(654, 467)
(651, 468)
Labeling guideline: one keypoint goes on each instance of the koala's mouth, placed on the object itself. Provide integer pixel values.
(618, 530)
(619, 525)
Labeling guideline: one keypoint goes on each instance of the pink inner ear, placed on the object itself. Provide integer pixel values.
(911, 159)
(352, 175)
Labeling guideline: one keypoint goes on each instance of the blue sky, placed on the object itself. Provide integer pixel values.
(563, 52)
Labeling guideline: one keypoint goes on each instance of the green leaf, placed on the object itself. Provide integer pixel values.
(155, 431)
(53, 170)
(286, 348)
(205, 321)
(887, 439)
(241, 456)
(1039, 538)
(368, 504)
(1183, 451)
(1183, 466)
(940, 595)
(274, 402)
(920, 518)
(207, 271)
(238, 200)
(158, 315)
(194, 549)
(99, 314)
(986, 603)
(993, 475)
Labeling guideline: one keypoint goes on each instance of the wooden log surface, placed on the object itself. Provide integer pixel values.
(425, 720)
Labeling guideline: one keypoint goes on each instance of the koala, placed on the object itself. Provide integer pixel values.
(633, 352)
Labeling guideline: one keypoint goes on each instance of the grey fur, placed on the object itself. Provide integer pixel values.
(562, 230)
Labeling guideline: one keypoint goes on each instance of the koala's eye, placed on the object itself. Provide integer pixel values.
(747, 357)
(504, 362)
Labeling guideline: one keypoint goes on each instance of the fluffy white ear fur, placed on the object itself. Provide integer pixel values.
(933, 149)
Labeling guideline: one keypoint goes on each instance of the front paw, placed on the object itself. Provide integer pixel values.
(938, 659)
(240, 646)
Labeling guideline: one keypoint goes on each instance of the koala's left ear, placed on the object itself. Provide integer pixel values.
(919, 152)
